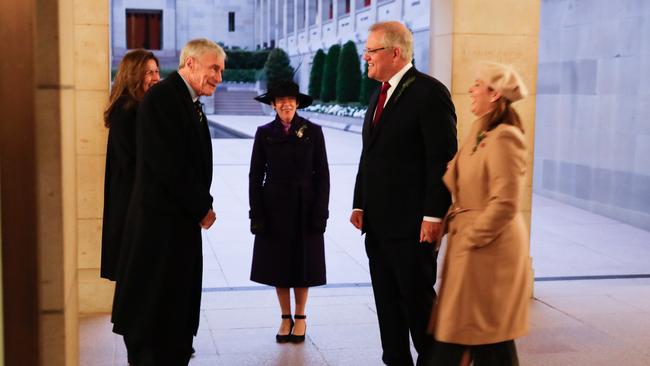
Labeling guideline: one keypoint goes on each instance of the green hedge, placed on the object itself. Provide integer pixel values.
(240, 75)
(316, 74)
(368, 86)
(277, 67)
(348, 75)
(240, 59)
(328, 85)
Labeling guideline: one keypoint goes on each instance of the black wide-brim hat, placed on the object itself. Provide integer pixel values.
(285, 89)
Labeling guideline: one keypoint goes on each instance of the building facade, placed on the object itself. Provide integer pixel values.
(164, 26)
(301, 27)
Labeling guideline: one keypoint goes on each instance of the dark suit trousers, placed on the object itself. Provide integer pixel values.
(497, 354)
(403, 272)
(169, 351)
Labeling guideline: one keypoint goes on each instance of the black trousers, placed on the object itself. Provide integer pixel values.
(168, 350)
(403, 272)
(133, 348)
(496, 354)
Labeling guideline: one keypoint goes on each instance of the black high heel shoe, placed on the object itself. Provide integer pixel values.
(295, 338)
(284, 338)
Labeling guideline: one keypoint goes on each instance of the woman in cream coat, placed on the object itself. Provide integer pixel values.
(486, 283)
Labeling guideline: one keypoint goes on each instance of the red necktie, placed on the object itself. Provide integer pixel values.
(380, 102)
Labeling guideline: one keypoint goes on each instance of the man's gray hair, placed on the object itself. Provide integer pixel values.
(197, 47)
(396, 35)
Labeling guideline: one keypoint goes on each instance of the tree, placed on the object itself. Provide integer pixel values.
(348, 76)
(277, 67)
(316, 74)
(368, 86)
(328, 84)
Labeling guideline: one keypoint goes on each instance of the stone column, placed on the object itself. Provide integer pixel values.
(507, 32)
(276, 30)
(268, 22)
(91, 95)
(285, 27)
(295, 21)
(62, 114)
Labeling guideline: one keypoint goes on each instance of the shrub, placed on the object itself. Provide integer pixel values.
(241, 59)
(239, 75)
(277, 67)
(368, 86)
(348, 75)
(328, 84)
(316, 74)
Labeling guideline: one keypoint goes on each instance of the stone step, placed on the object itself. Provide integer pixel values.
(237, 102)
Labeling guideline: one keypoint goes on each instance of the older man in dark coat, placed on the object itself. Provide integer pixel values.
(157, 301)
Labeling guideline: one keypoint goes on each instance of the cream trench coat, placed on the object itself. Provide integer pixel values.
(486, 280)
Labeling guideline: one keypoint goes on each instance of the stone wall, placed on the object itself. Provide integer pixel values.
(593, 126)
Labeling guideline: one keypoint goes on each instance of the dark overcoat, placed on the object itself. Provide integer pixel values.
(405, 156)
(118, 183)
(289, 195)
(158, 290)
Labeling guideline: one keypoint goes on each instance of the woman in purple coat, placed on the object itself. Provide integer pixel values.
(289, 194)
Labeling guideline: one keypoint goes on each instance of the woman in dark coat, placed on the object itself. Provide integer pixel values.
(289, 195)
(137, 72)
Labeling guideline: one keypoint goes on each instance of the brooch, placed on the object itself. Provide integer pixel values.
(404, 86)
(480, 137)
(301, 131)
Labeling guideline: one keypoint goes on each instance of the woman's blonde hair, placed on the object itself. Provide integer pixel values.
(129, 80)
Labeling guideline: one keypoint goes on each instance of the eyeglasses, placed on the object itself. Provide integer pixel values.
(373, 51)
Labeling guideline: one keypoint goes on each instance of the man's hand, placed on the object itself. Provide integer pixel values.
(208, 220)
(429, 231)
(357, 219)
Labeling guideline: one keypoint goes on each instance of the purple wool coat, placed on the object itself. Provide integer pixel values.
(289, 195)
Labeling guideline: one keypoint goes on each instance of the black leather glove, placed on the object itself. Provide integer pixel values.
(257, 226)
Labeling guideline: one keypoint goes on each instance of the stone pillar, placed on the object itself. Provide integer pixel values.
(267, 30)
(295, 22)
(285, 26)
(506, 31)
(307, 4)
(92, 82)
(335, 17)
(276, 30)
(61, 107)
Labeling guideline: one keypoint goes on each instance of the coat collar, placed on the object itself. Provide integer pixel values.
(411, 73)
(296, 123)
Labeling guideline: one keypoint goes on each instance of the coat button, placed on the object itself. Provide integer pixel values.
(453, 232)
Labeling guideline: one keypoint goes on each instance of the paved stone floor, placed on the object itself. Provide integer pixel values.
(603, 321)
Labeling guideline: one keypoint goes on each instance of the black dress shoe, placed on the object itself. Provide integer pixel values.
(284, 338)
(295, 338)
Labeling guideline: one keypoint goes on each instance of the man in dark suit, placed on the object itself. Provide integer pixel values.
(158, 298)
(409, 136)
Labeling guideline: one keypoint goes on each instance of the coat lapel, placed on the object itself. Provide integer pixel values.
(369, 114)
(201, 129)
(398, 90)
(387, 109)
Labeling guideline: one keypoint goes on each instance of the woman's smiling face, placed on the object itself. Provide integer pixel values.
(285, 107)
